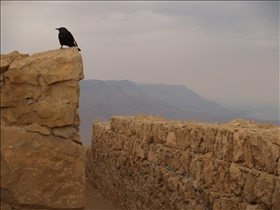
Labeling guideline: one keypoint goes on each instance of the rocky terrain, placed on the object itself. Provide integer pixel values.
(148, 162)
(41, 153)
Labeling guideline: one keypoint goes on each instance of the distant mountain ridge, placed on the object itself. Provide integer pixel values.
(99, 100)
(178, 95)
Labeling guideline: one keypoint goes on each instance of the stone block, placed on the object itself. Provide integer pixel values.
(42, 171)
(42, 164)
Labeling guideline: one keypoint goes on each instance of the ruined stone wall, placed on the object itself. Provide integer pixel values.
(42, 163)
(142, 162)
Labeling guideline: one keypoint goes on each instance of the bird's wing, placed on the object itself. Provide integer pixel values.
(72, 37)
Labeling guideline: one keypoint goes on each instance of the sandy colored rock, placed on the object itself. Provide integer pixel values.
(42, 164)
(53, 66)
(7, 59)
(250, 183)
(44, 88)
(37, 128)
(142, 162)
(50, 169)
(65, 132)
(264, 188)
(171, 140)
(278, 168)
(238, 154)
(276, 195)
(5, 63)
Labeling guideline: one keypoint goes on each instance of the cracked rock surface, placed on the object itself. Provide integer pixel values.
(146, 162)
(41, 153)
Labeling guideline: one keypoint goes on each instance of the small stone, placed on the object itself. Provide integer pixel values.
(171, 140)
(37, 128)
(66, 132)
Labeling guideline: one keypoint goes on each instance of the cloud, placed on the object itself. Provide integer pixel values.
(274, 50)
(242, 18)
(198, 44)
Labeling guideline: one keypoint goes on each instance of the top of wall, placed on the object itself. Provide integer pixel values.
(41, 92)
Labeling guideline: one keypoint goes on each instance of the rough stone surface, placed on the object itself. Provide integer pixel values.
(41, 154)
(43, 171)
(43, 89)
(66, 132)
(38, 128)
(142, 162)
(6, 61)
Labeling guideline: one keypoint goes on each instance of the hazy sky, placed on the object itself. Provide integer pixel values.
(221, 50)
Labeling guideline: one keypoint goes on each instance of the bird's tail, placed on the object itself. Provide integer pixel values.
(75, 43)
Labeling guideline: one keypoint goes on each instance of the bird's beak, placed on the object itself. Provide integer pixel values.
(56, 28)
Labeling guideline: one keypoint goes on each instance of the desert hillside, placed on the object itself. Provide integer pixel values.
(99, 100)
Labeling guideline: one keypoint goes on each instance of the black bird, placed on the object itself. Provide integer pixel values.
(66, 38)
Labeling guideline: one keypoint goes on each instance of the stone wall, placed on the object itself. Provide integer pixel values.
(42, 163)
(142, 162)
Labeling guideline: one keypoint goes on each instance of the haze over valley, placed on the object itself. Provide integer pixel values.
(99, 100)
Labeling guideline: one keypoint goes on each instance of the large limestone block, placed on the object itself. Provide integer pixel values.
(43, 89)
(41, 171)
(53, 66)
